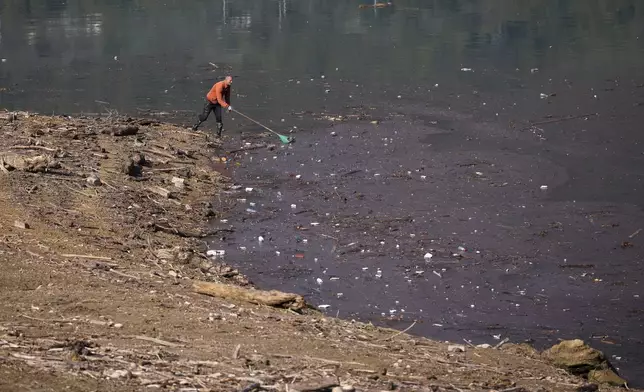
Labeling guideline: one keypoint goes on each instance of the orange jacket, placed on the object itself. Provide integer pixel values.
(220, 94)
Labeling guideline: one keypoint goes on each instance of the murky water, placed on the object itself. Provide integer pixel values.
(458, 83)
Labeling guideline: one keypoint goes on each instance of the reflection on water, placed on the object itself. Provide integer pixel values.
(70, 46)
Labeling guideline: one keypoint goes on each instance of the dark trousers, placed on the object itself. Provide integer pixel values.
(210, 107)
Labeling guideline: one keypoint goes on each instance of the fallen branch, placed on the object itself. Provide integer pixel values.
(188, 234)
(123, 274)
(70, 255)
(501, 343)
(157, 341)
(635, 234)
(4, 169)
(316, 359)
(257, 147)
(401, 332)
(169, 169)
(46, 320)
(269, 298)
(161, 153)
(557, 120)
(33, 148)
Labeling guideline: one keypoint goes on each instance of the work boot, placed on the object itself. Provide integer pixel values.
(196, 126)
(220, 129)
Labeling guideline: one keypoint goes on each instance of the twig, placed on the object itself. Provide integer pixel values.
(85, 256)
(45, 320)
(77, 191)
(236, 352)
(502, 342)
(157, 341)
(187, 234)
(469, 343)
(4, 169)
(635, 234)
(167, 169)
(123, 274)
(401, 332)
(32, 148)
(247, 148)
(157, 152)
(458, 389)
(556, 120)
(315, 359)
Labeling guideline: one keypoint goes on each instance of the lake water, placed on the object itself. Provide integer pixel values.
(504, 62)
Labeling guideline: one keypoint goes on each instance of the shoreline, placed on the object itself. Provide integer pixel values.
(104, 225)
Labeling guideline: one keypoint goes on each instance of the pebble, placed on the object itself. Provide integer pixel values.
(118, 325)
(93, 180)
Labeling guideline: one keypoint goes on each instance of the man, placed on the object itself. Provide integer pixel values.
(218, 97)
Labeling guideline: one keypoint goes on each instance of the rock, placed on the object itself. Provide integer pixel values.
(162, 192)
(139, 159)
(606, 376)
(485, 345)
(456, 348)
(575, 356)
(37, 164)
(348, 388)
(93, 180)
(131, 168)
(178, 182)
(117, 326)
(125, 130)
(588, 388)
(315, 386)
(337, 389)
(21, 224)
(117, 374)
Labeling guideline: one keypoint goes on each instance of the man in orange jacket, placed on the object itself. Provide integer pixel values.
(218, 97)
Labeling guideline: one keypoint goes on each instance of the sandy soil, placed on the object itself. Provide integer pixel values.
(96, 282)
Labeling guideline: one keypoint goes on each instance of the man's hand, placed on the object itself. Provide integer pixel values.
(230, 108)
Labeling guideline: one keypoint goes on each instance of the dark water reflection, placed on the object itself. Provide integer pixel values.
(80, 56)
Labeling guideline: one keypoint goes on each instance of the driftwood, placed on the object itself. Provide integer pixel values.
(33, 148)
(37, 164)
(162, 192)
(125, 130)
(273, 298)
(188, 234)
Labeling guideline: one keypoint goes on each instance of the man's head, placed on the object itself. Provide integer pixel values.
(229, 80)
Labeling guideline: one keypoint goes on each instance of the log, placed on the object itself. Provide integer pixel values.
(125, 130)
(188, 234)
(272, 298)
(162, 192)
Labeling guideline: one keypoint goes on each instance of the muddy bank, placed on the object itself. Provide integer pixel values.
(473, 229)
(100, 254)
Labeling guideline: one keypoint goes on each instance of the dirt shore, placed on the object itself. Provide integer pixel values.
(103, 236)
